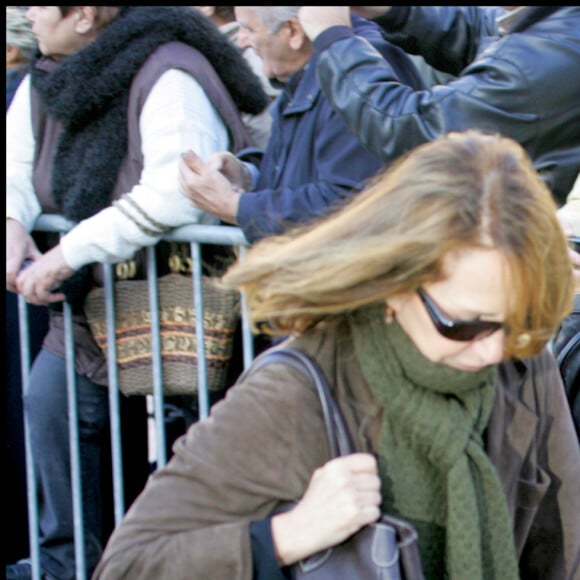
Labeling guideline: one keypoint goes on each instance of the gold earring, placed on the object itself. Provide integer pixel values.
(389, 315)
(523, 340)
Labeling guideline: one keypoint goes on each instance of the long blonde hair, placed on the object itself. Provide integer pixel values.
(462, 190)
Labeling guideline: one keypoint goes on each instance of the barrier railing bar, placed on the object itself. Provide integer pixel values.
(194, 234)
(32, 500)
(201, 233)
(247, 342)
(158, 397)
(202, 394)
(73, 426)
(114, 398)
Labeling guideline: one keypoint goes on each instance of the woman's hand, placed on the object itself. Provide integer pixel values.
(342, 497)
(19, 247)
(39, 281)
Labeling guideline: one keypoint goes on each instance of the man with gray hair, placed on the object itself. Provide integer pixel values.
(312, 162)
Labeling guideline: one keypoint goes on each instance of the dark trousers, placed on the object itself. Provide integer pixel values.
(15, 537)
(47, 410)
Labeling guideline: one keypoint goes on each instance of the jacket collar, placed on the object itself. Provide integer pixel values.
(302, 89)
(513, 424)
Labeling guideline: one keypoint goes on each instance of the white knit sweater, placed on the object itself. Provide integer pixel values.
(176, 116)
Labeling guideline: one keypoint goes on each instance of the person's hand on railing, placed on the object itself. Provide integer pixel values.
(39, 282)
(20, 252)
(206, 186)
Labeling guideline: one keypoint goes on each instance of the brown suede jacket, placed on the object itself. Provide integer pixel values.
(261, 444)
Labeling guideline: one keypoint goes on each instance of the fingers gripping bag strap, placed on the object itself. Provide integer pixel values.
(387, 549)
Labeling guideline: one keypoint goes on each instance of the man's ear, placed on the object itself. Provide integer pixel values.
(297, 36)
(85, 19)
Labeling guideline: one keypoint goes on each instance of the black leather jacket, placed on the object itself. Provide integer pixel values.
(524, 84)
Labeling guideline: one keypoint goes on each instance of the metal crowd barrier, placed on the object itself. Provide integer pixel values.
(196, 235)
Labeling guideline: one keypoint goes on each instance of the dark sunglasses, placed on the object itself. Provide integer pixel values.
(460, 330)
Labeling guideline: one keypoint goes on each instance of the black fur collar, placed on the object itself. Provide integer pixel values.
(88, 94)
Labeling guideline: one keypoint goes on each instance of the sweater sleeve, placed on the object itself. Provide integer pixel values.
(264, 560)
(22, 204)
(176, 116)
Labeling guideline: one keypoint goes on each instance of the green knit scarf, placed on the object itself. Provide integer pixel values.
(433, 467)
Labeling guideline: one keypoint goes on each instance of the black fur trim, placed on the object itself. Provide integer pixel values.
(88, 93)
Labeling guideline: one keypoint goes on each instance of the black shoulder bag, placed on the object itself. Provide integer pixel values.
(387, 549)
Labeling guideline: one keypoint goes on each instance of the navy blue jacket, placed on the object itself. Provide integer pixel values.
(313, 162)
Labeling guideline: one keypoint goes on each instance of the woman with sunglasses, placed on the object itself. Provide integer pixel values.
(428, 302)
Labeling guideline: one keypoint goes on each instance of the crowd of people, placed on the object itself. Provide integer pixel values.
(407, 230)
(169, 77)
(312, 163)
(20, 47)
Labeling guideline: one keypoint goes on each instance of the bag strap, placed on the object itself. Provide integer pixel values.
(571, 346)
(340, 443)
(339, 439)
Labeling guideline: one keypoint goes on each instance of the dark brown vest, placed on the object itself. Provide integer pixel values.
(47, 130)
